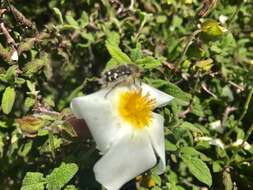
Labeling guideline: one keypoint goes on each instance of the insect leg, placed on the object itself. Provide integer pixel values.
(113, 87)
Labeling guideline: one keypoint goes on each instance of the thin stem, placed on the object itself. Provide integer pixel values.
(51, 143)
(189, 42)
(246, 105)
(244, 112)
(250, 159)
(235, 14)
(248, 133)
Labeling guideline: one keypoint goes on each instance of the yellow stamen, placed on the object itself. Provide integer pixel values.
(135, 108)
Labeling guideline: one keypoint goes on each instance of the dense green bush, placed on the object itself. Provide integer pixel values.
(204, 61)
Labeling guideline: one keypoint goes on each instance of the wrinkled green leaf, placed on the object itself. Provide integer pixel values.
(191, 127)
(198, 168)
(117, 54)
(172, 89)
(113, 38)
(33, 181)
(148, 63)
(61, 176)
(197, 108)
(8, 99)
(11, 73)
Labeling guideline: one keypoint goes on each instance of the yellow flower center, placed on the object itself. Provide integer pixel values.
(135, 108)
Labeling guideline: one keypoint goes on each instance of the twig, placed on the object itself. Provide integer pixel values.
(7, 35)
(208, 91)
(241, 88)
(131, 6)
(228, 110)
(2, 11)
(19, 17)
(185, 112)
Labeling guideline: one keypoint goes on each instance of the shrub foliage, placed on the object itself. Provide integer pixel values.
(198, 52)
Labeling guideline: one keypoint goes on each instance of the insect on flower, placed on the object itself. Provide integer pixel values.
(125, 74)
(127, 131)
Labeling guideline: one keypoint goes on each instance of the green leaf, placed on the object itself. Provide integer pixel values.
(30, 85)
(136, 53)
(35, 66)
(227, 180)
(61, 176)
(193, 152)
(113, 38)
(110, 64)
(191, 127)
(213, 28)
(2, 87)
(29, 102)
(70, 187)
(58, 14)
(198, 168)
(204, 65)
(19, 81)
(177, 187)
(8, 99)
(70, 20)
(25, 148)
(161, 19)
(117, 54)
(171, 89)
(176, 92)
(157, 179)
(84, 19)
(197, 108)
(148, 62)
(169, 146)
(216, 167)
(33, 181)
(11, 73)
(3, 124)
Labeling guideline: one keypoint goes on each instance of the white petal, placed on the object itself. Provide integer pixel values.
(217, 142)
(130, 156)
(99, 114)
(14, 56)
(156, 133)
(161, 98)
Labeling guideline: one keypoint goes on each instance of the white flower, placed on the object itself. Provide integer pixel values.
(240, 142)
(126, 131)
(223, 19)
(212, 141)
(216, 126)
